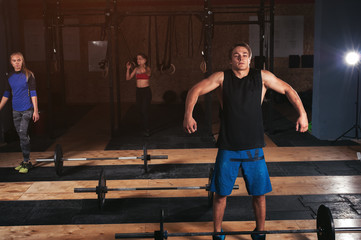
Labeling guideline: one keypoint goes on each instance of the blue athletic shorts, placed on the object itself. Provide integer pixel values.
(254, 171)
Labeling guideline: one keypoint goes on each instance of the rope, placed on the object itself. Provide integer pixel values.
(156, 44)
(149, 40)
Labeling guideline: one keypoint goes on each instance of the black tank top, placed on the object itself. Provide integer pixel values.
(241, 116)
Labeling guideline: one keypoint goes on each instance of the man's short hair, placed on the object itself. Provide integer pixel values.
(242, 44)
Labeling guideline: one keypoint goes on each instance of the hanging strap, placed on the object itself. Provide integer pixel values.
(156, 44)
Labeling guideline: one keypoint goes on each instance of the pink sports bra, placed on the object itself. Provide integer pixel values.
(141, 76)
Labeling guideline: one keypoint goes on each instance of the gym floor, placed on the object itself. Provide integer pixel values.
(41, 205)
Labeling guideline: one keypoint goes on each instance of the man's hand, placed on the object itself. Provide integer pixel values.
(189, 125)
(302, 124)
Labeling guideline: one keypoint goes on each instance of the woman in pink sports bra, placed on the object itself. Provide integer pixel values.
(142, 73)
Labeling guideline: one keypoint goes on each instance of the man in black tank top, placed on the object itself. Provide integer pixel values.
(241, 136)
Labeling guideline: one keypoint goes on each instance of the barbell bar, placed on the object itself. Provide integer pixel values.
(102, 189)
(325, 229)
(59, 159)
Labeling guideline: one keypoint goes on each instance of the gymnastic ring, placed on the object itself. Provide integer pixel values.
(133, 65)
(171, 67)
(203, 66)
(104, 65)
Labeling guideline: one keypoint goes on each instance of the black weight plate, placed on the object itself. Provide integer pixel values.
(210, 194)
(161, 234)
(325, 225)
(58, 159)
(161, 227)
(145, 158)
(101, 189)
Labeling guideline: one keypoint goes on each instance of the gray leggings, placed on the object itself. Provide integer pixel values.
(21, 123)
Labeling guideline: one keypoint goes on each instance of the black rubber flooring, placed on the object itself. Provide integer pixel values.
(40, 138)
(192, 209)
(166, 130)
(282, 132)
(165, 171)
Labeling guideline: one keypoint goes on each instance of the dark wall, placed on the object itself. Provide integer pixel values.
(78, 85)
(82, 86)
(9, 42)
(334, 90)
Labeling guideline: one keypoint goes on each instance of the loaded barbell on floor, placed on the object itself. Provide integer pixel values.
(325, 229)
(59, 159)
(102, 189)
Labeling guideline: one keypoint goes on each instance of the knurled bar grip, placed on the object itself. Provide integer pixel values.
(144, 189)
(85, 189)
(104, 158)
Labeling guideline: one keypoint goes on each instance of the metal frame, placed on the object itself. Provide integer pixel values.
(53, 25)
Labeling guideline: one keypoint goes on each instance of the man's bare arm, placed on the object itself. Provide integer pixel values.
(272, 82)
(203, 87)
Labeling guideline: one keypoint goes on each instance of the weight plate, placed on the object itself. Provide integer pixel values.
(325, 225)
(101, 190)
(145, 158)
(160, 234)
(210, 194)
(58, 160)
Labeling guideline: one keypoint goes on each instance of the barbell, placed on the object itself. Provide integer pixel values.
(325, 229)
(102, 189)
(59, 159)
